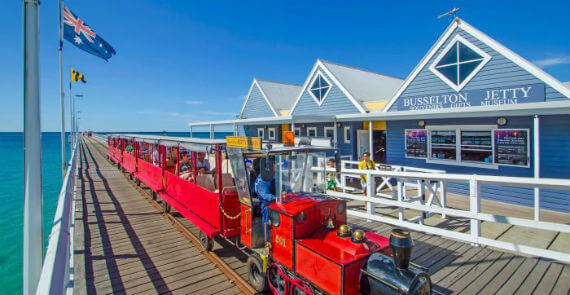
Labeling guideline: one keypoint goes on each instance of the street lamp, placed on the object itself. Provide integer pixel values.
(72, 110)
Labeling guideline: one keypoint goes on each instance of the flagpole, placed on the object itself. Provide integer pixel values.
(62, 94)
(33, 215)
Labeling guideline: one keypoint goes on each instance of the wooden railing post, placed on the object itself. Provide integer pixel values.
(369, 192)
(400, 198)
(475, 207)
(443, 195)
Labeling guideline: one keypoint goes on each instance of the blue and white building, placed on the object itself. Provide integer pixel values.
(470, 106)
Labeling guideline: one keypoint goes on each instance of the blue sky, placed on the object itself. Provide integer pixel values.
(181, 61)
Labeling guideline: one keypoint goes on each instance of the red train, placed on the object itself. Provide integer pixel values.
(305, 246)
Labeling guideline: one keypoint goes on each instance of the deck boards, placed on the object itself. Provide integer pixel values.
(455, 267)
(124, 246)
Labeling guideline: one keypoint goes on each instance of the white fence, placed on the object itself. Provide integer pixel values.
(55, 277)
(431, 185)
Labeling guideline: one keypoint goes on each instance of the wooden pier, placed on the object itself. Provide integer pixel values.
(125, 245)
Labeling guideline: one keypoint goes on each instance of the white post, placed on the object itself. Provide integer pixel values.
(335, 136)
(400, 199)
(211, 131)
(421, 195)
(371, 140)
(475, 207)
(61, 93)
(369, 193)
(191, 131)
(235, 129)
(443, 195)
(536, 144)
(33, 215)
(293, 127)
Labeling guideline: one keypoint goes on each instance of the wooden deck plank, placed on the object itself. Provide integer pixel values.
(546, 284)
(562, 286)
(518, 277)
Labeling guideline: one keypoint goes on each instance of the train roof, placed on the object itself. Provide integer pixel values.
(191, 143)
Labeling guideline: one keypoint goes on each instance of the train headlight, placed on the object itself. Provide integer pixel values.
(343, 231)
(358, 236)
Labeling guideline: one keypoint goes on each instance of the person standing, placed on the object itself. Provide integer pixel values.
(365, 164)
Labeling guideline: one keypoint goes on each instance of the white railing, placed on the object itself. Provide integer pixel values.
(102, 137)
(56, 277)
(473, 213)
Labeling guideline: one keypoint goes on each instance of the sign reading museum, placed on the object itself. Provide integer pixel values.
(472, 98)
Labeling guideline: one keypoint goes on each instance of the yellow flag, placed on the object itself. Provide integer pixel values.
(77, 76)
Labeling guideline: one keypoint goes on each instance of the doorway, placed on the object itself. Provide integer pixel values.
(379, 138)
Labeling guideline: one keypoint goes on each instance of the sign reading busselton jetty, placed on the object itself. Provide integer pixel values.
(472, 98)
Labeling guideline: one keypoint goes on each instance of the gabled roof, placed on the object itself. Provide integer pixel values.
(358, 85)
(515, 58)
(279, 96)
(567, 84)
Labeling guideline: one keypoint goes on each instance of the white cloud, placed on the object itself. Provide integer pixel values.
(165, 114)
(194, 102)
(552, 61)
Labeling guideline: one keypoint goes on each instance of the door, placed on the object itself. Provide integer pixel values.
(379, 146)
(362, 143)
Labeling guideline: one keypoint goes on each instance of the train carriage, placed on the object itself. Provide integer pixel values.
(298, 243)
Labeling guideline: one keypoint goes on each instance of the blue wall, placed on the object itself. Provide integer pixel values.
(554, 151)
(498, 72)
(256, 106)
(335, 102)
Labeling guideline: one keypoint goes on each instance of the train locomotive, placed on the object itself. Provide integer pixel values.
(298, 243)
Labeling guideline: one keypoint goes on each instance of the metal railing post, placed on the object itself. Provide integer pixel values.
(475, 207)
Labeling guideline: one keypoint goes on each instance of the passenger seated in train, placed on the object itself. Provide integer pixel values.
(202, 162)
(171, 158)
(185, 166)
(202, 171)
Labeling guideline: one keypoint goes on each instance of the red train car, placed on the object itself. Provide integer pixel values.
(272, 199)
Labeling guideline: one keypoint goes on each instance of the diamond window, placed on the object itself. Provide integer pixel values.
(459, 62)
(320, 88)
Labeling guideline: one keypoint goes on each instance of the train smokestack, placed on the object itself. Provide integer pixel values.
(401, 244)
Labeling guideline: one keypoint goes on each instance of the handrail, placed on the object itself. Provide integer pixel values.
(473, 212)
(55, 275)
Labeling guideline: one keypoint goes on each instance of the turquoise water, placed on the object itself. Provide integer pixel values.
(12, 197)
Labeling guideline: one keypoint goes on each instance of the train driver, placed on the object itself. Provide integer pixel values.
(265, 189)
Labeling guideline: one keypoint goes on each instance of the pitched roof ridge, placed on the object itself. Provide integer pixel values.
(278, 82)
(360, 69)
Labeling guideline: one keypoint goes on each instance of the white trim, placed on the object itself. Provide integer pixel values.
(345, 132)
(256, 83)
(486, 58)
(312, 128)
(523, 63)
(319, 74)
(330, 128)
(321, 65)
(269, 133)
(262, 134)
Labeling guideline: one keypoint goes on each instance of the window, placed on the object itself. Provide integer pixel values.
(320, 88)
(271, 133)
(312, 131)
(329, 133)
(476, 146)
(261, 132)
(443, 144)
(346, 134)
(459, 62)
(462, 145)
(297, 131)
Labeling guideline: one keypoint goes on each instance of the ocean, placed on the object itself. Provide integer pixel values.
(12, 197)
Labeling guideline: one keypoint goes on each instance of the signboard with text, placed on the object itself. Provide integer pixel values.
(472, 98)
(512, 147)
(416, 143)
(253, 143)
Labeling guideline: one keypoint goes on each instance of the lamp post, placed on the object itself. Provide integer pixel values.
(33, 229)
(72, 115)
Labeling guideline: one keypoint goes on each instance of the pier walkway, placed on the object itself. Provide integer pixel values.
(125, 245)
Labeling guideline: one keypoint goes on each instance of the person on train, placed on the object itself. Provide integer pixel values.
(264, 183)
(202, 162)
(129, 148)
(185, 166)
(202, 171)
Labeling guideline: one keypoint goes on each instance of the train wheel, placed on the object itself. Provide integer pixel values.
(298, 287)
(277, 280)
(138, 181)
(206, 242)
(257, 277)
(130, 176)
(154, 196)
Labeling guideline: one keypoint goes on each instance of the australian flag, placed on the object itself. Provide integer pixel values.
(80, 34)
